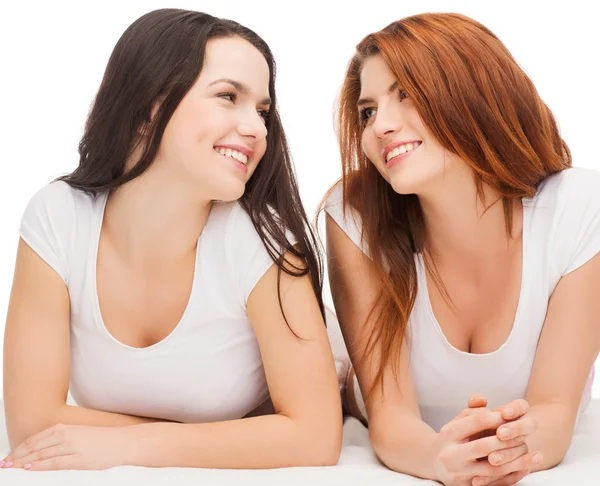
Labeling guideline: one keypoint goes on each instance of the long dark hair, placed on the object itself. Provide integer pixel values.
(160, 56)
(478, 104)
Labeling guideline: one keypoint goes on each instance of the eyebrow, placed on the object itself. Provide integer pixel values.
(366, 101)
(241, 87)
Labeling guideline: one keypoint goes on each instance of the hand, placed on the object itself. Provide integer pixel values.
(513, 411)
(475, 402)
(71, 447)
(457, 461)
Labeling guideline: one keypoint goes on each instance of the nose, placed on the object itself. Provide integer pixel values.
(252, 125)
(388, 120)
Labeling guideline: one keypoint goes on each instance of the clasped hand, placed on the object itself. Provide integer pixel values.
(481, 447)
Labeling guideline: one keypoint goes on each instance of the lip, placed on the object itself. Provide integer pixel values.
(238, 165)
(240, 148)
(391, 146)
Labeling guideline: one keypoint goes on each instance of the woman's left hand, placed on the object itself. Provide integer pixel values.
(521, 424)
(71, 447)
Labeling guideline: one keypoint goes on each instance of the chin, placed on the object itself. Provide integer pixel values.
(417, 181)
(229, 192)
(403, 185)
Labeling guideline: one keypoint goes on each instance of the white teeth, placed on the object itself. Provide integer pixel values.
(233, 154)
(402, 149)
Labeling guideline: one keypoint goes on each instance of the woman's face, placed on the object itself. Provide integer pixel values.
(217, 135)
(394, 137)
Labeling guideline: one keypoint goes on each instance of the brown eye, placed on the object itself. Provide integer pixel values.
(228, 96)
(403, 95)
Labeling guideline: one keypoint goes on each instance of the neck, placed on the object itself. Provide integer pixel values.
(154, 218)
(462, 227)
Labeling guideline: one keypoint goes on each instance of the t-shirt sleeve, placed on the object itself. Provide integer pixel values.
(46, 225)
(578, 231)
(349, 221)
(248, 254)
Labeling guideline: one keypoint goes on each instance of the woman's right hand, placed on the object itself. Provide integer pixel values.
(459, 459)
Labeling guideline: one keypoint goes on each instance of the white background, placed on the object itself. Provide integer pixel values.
(53, 55)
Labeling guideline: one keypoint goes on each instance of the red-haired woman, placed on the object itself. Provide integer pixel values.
(463, 256)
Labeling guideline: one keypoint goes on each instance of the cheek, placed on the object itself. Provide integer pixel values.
(182, 132)
(370, 148)
(260, 148)
(259, 151)
(368, 143)
(202, 123)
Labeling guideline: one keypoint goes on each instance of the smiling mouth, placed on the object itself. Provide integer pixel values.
(232, 154)
(401, 150)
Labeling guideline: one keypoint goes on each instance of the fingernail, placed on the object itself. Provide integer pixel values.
(504, 433)
(27, 466)
(496, 457)
(537, 458)
(8, 464)
(1, 463)
(509, 412)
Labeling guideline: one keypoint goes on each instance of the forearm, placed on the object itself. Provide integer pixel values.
(404, 443)
(270, 441)
(554, 432)
(70, 415)
(74, 415)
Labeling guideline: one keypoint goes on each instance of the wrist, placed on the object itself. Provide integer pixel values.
(131, 445)
(433, 453)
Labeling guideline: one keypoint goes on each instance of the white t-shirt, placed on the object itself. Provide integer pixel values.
(209, 368)
(561, 231)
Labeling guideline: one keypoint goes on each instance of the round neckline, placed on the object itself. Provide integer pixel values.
(423, 291)
(98, 309)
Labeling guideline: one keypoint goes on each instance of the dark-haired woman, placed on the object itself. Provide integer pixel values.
(172, 281)
(464, 259)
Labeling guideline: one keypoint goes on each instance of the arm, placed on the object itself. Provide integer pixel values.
(400, 438)
(37, 354)
(306, 429)
(568, 346)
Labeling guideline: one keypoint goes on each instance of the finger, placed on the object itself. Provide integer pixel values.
(461, 429)
(484, 481)
(33, 446)
(477, 401)
(54, 464)
(467, 411)
(523, 426)
(509, 479)
(487, 446)
(514, 410)
(29, 442)
(42, 455)
(525, 462)
(507, 455)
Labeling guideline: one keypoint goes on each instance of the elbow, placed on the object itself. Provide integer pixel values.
(326, 453)
(323, 445)
(378, 441)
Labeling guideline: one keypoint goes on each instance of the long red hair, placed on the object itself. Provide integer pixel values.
(479, 104)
